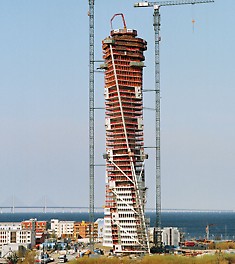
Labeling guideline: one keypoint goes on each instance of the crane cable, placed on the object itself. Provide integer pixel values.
(193, 19)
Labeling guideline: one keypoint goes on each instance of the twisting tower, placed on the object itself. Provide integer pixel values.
(125, 226)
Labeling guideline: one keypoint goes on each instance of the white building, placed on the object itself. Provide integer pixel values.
(10, 225)
(170, 236)
(12, 236)
(100, 222)
(62, 228)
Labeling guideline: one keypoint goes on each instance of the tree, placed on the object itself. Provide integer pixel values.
(29, 257)
(13, 258)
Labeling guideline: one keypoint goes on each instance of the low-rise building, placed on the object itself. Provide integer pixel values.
(12, 235)
(170, 236)
(38, 227)
(100, 227)
(10, 225)
(62, 229)
(84, 229)
(11, 239)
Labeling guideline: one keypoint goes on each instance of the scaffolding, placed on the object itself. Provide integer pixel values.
(124, 221)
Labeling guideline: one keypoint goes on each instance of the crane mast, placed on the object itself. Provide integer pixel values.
(91, 122)
(156, 25)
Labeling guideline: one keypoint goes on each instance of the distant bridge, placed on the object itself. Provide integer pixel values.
(46, 209)
(84, 209)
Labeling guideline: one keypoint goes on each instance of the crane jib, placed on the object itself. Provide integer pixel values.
(169, 3)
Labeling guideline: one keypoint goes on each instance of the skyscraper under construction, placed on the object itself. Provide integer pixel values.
(124, 221)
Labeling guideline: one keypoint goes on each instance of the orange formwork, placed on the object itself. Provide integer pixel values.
(125, 227)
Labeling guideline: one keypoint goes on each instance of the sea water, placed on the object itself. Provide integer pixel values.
(191, 224)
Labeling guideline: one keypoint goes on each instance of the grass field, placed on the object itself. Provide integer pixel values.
(169, 259)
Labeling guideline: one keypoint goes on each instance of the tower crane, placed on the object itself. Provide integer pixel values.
(91, 122)
(208, 231)
(156, 24)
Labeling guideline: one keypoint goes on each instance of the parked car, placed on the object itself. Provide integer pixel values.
(63, 259)
(43, 259)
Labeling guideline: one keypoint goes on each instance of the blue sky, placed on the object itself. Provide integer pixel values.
(44, 101)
